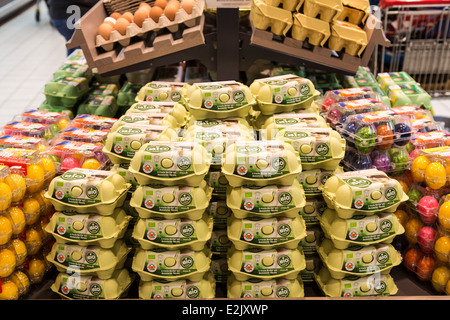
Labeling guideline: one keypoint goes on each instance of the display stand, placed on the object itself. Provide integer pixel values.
(227, 50)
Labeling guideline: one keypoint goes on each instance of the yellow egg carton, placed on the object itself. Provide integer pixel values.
(277, 122)
(363, 192)
(311, 180)
(155, 118)
(123, 170)
(91, 287)
(122, 144)
(268, 289)
(260, 163)
(314, 207)
(219, 242)
(177, 233)
(355, 11)
(358, 261)
(171, 265)
(218, 182)
(171, 201)
(368, 286)
(236, 123)
(220, 212)
(204, 288)
(259, 120)
(314, 234)
(318, 148)
(170, 163)
(90, 260)
(360, 230)
(264, 16)
(88, 191)
(315, 30)
(175, 109)
(218, 99)
(266, 201)
(326, 10)
(219, 268)
(149, 25)
(284, 93)
(313, 264)
(161, 91)
(265, 264)
(89, 229)
(348, 37)
(266, 233)
(289, 5)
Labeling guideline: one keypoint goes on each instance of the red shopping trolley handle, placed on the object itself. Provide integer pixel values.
(393, 3)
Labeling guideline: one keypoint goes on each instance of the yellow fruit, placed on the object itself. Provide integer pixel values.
(444, 215)
(21, 251)
(405, 186)
(36, 270)
(435, 175)
(7, 262)
(5, 196)
(418, 167)
(9, 291)
(91, 164)
(18, 186)
(49, 167)
(33, 241)
(22, 282)
(439, 278)
(402, 216)
(442, 248)
(62, 123)
(6, 230)
(46, 201)
(32, 210)
(35, 176)
(18, 219)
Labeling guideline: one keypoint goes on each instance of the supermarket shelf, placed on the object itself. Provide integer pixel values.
(409, 286)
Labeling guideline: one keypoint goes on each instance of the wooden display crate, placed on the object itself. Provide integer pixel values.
(156, 45)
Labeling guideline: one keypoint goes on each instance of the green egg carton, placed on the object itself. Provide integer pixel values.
(99, 105)
(266, 201)
(363, 192)
(104, 89)
(260, 163)
(90, 260)
(66, 91)
(267, 289)
(218, 100)
(89, 229)
(87, 191)
(170, 163)
(358, 261)
(92, 287)
(177, 233)
(369, 286)
(175, 109)
(127, 94)
(75, 70)
(171, 201)
(266, 233)
(171, 265)
(283, 93)
(122, 144)
(205, 288)
(265, 264)
(360, 230)
(319, 148)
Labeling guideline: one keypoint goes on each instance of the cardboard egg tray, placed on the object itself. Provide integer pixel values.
(326, 56)
(149, 25)
(136, 52)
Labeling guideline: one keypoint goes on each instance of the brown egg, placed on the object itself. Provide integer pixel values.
(121, 25)
(140, 15)
(170, 11)
(155, 13)
(105, 30)
(161, 3)
(115, 15)
(110, 20)
(128, 16)
(175, 3)
(144, 6)
(187, 5)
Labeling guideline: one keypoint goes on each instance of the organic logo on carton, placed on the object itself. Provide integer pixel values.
(157, 148)
(391, 194)
(284, 261)
(284, 230)
(322, 149)
(187, 262)
(184, 163)
(238, 96)
(193, 292)
(129, 131)
(185, 198)
(358, 182)
(285, 198)
(70, 176)
(187, 230)
(92, 192)
(282, 292)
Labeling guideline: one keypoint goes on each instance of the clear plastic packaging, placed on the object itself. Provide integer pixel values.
(343, 95)
(60, 119)
(93, 122)
(30, 129)
(23, 142)
(432, 167)
(83, 135)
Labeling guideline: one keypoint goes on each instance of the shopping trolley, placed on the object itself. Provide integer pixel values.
(419, 34)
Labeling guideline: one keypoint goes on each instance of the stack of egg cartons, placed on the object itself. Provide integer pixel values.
(171, 198)
(25, 173)
(359, 226)
(219, 112)
(88, 226)
(287, 111)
